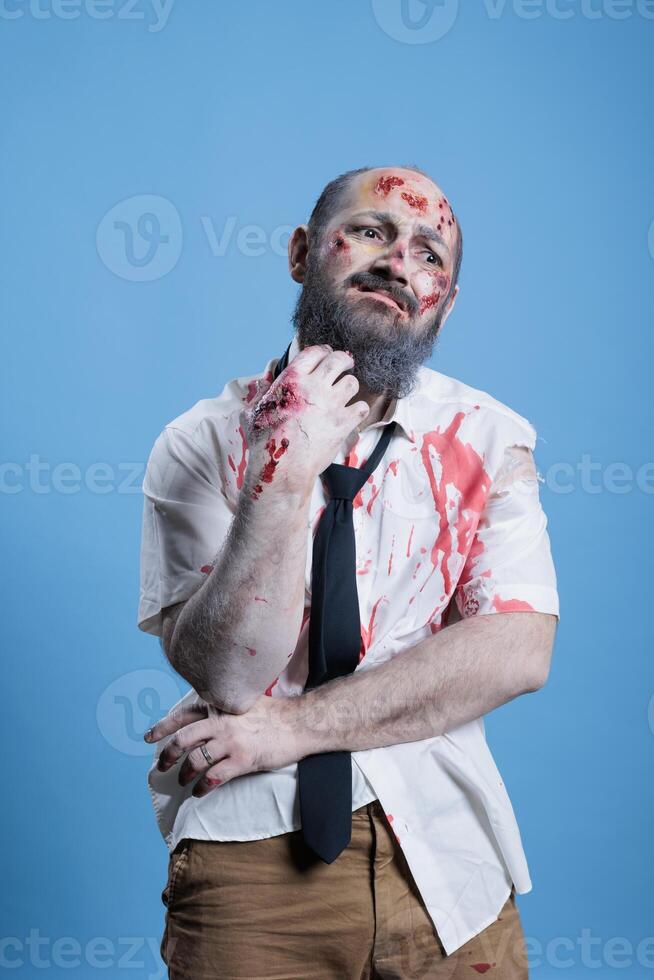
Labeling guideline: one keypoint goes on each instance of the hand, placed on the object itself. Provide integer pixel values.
(264, 737)
(295, 429)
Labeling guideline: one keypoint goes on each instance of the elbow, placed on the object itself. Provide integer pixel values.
(536, 680)
(234, 703)
(538, 669)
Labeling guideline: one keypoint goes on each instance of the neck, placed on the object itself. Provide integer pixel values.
(378, 405)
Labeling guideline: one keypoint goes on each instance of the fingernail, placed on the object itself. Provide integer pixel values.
(148, 735)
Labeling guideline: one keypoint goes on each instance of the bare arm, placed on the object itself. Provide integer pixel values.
(234, 636)
(445, 680)
(456, 675)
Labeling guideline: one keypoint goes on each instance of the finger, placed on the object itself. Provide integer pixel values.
(195, 762)
(215, 776)
(187, 739)
(359, 410)
(347, 388)
(333, 365)
(176, 719)
(309, 357)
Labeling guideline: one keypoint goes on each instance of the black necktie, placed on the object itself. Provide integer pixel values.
(325, 778)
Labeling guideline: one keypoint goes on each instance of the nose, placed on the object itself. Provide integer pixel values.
(391, 264)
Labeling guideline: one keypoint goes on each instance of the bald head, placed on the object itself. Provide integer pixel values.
(340, 191)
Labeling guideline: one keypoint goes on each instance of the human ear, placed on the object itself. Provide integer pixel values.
(298, 247)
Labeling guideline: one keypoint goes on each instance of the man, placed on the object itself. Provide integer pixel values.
(458, 610)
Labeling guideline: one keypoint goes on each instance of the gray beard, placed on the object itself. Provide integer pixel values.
(387, 356)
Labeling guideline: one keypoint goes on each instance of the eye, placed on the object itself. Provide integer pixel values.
(434, 257)
(366, 229)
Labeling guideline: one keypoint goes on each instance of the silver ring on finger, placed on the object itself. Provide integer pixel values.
(206, 753)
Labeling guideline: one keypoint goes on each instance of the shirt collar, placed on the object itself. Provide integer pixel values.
(398, 410)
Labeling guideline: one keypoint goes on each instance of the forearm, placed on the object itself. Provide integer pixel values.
(234, 635)
(458, 674)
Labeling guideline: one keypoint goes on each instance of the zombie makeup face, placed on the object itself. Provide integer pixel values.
(378, 282)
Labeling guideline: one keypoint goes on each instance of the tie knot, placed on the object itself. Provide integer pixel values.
(344, 482)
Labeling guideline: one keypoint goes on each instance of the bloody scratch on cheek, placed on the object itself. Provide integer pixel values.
(337, 245)
(415, 201)
(427, 302)
(385, 185)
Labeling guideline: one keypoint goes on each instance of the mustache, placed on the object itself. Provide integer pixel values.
(368, 280)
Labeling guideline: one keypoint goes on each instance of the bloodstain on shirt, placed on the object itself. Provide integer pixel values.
(511, 605)
(253, 388)
(366, 634)
(461, 472)
(390, 557)
(389, 817)
(240, 469)
(269, 690)
(392, 466)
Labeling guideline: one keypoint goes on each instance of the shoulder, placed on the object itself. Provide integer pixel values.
(439, 396)
(210, 436)
(209, 419)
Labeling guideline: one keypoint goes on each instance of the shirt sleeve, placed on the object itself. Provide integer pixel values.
(509, 566)
(186, 518)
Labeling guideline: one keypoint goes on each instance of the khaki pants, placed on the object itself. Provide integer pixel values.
(270, 910)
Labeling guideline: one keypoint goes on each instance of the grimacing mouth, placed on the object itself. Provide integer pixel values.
(370, 289)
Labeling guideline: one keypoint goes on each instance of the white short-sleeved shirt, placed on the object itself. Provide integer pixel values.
(448, 526)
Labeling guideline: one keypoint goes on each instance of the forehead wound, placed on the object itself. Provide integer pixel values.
(417, 194)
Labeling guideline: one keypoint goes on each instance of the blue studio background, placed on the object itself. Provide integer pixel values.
(224, 121)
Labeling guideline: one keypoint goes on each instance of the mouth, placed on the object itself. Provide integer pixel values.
(381, 295)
